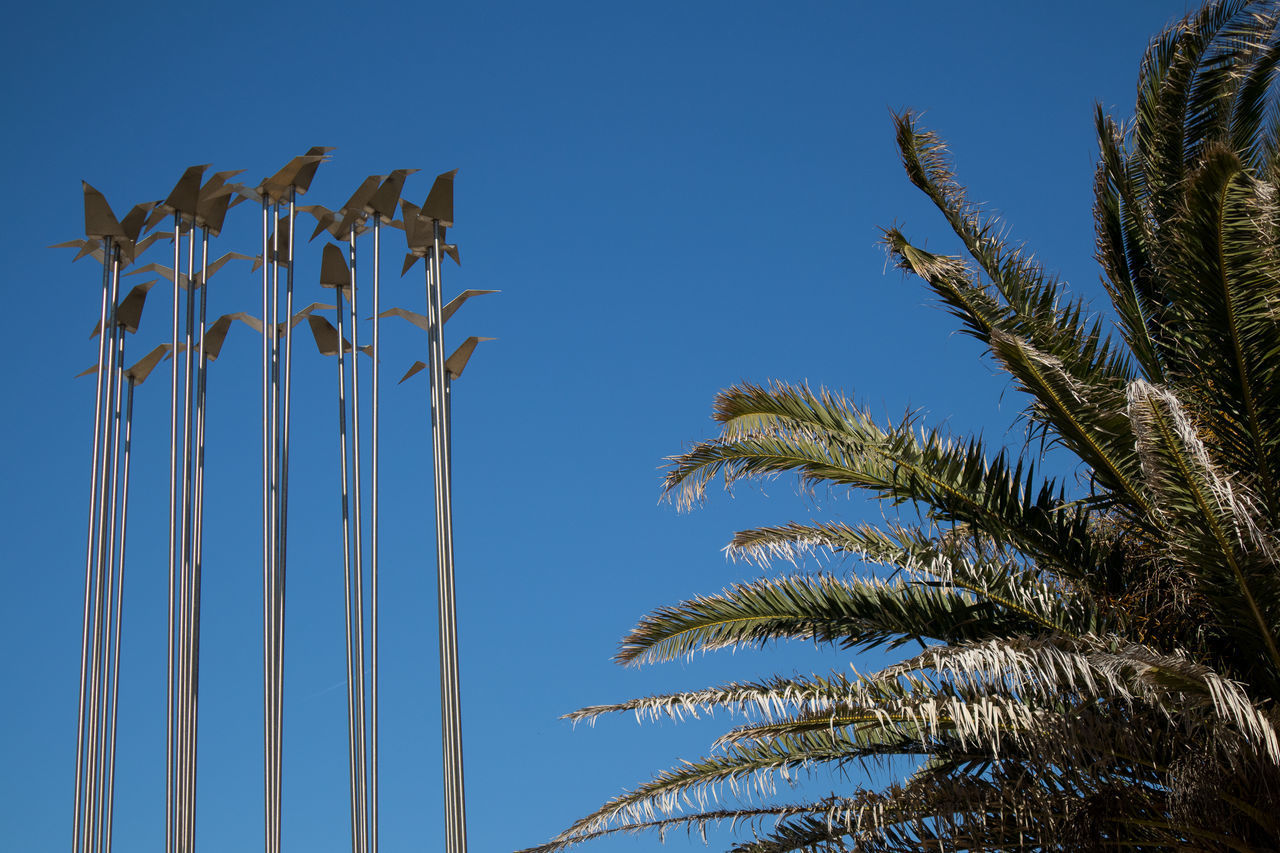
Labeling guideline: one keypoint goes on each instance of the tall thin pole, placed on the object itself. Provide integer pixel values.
(268, 336)
(101, 550)
(106, 574)
(187, 585)
(282, 488)
(373, 553)
(115, 654)
(273, 530)
(171, 804)
(450, 687)
(196, 525)
(358, 549)
(78, 826)
(346, 570)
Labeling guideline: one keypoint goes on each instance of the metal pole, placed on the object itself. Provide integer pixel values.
(434, 325)
(187, 585)
(358, 574)
(96, 671)
(81, 768)
(346, 570)
(282, 525)
(273, 517)
(115, 654)
(373, 553)
(197, 525)
(170, 723)
(188, 578)
(105, 707)
(268, 333)
(97, 674)
(450, 687)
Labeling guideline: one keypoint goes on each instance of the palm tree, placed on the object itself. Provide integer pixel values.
(1100, 663)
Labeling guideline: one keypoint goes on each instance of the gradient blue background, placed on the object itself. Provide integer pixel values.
(672, 197)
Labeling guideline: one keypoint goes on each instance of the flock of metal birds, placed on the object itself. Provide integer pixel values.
(197, 208)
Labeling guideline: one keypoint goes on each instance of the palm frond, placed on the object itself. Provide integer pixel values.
(741, 771)
(1223, 276)
(857, 613)
(1167, 114)
(824, 438)
(754, 818)
(1214, 524)
(900, 545)
(1041, 374)
(1126, 239)
(1029, 303)
(1044, 672)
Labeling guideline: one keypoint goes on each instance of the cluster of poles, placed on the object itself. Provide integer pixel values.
(198, 207)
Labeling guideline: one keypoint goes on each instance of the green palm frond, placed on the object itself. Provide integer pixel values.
(1025, 302)
(1043, 672)
(1062, 402)
(773, 698)
(858, 613)
(1253, 97)
(1223, 276)
(926, 813)
(825, 439)
(951, 559)
(698, 823)
(1126, 239)
(1172, 110)
(898, 546)
(1214, 523)
(740, 771)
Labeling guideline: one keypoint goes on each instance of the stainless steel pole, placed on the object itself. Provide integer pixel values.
(105, 707)
(171, 804)
(373, 552)
(115, 655)
(97, 670)
(282, 523)
(187, 584)
(450, 686)
(105, 543)
(268, 334)
(273, 514)
(346, 570)
(78, 821)
(197, 526)
(358, 573)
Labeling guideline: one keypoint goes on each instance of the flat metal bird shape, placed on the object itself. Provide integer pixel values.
(214, 199)
(100, 225)
(420, 237)
(141, 369)
(256, 324)
(454, 364)
(183, 282)
(216, 335)
(351, 216)
(129, 311)
(327, 337)
(184, 198)
(446, 312)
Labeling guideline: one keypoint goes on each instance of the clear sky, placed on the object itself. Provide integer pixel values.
(672, 197)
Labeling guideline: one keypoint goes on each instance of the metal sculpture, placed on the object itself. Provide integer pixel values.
(436, 214)
(115, 243)
(198, 208)
(283, 187)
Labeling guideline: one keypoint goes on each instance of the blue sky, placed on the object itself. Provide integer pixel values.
(672, 198)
